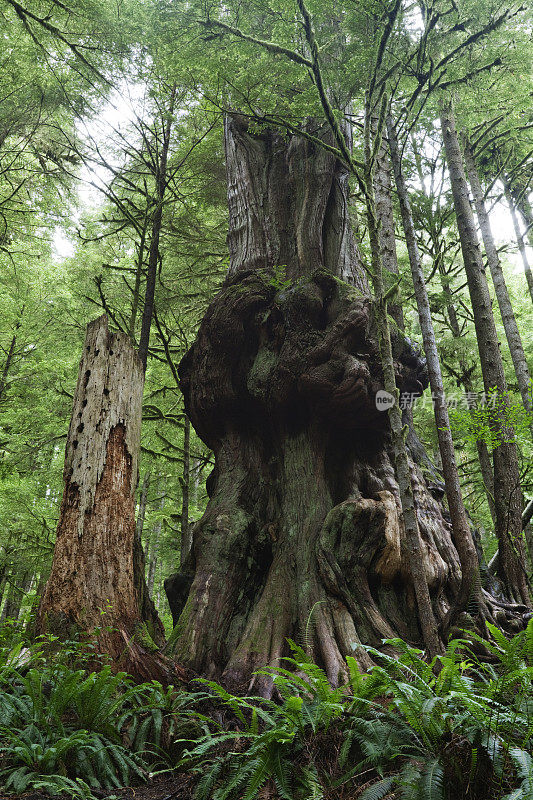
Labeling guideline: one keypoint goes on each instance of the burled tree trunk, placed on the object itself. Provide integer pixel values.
(92, 585)
(302, 536)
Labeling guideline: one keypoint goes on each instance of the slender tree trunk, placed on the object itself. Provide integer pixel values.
(3, 584)
(519, 237)
(157, 222)
(26, 586)
(141, 513)
(138, 277)
(7, 366)
(197, 474)
(15, 596)
(9, 607)
(186, 531)
(470, 578)
(464, 373)
(30, 625)
(507, 492)
(521, 199)
(92, 583)
(384, 245)
(512, 333)
(385, 216)
(153, 557)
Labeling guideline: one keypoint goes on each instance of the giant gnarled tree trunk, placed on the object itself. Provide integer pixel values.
(92, 583)
(302, 535)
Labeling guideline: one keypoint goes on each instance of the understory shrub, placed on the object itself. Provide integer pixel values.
(67, 730)
(453, 728)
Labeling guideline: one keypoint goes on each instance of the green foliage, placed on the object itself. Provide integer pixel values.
(64, 730)
(279, 279)
(456, 727)
(484, 423)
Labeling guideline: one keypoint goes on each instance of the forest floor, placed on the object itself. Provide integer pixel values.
(163, 787)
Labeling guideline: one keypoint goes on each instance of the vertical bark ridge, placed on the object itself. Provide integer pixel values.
(288, 205)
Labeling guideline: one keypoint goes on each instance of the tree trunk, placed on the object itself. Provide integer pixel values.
(507, 492)
(385, 215)
(157, 223)
(7, 365)
(303, 534)
(519, 237)
(412, 544)
(9, 607)
(186, 532)
(470, 579)
(463, 374)
(141, 513)
(520, 196)
(15, 596)
(512, 333)
(30, 624)
(154, 548)
(92, 584)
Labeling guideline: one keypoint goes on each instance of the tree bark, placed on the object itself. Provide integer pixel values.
(294, 214)
(141, 513)
(154, 548)
(30, 624)
(186, 532)
(15, 596)
(470, 588)
(7, 366)
(519, 238)
(520, 196)
(385, 216)
(9, 607)
(91, 585)
(514, 340)
(507, 492)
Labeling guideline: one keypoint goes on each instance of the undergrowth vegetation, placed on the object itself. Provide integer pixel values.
(65, 729)
(454, 728)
